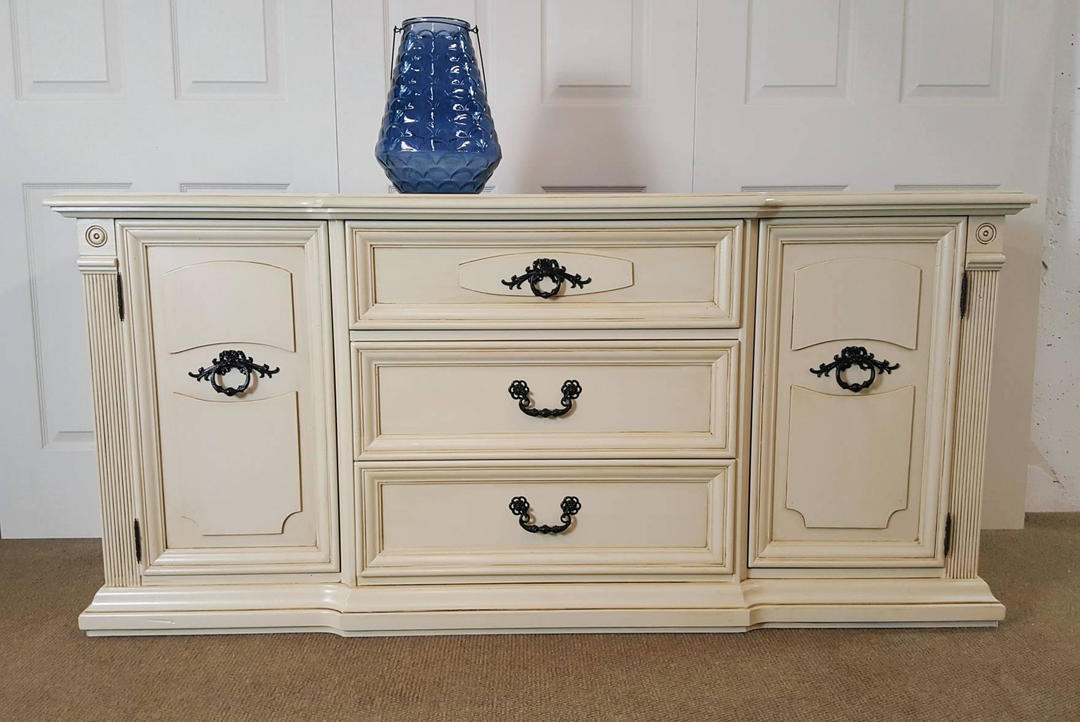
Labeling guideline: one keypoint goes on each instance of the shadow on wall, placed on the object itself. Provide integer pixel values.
(548, 155)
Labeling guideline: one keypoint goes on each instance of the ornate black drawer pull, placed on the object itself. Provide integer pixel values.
(855, 356)
(231, 361)
(546, 268)
(519, 507)
(519, 390)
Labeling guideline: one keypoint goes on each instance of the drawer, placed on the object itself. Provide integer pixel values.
(484, 399)
(586, 278)
(454, 518)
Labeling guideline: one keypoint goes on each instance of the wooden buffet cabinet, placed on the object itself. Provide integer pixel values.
(448, 414)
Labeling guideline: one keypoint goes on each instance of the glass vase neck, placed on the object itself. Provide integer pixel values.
(435, 24)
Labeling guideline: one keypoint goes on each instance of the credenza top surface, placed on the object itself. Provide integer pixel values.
(542, 207)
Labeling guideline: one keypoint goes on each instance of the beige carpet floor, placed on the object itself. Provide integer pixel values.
(1029, 668)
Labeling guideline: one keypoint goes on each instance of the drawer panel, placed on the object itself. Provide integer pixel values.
(606, 278)
(454, 518)
(674, 397)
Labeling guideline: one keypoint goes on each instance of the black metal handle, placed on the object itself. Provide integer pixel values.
(855, 356)
(519, 507)
(550, 269)
(519, 390)
(232, 360)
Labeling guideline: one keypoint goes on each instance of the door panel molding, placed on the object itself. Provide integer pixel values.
(289, 526)
(900, 524)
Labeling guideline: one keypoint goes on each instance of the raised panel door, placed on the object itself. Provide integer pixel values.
(856, 356)
(232, 344)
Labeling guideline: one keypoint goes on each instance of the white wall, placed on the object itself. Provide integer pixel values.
(673, 95)
(1054, 470)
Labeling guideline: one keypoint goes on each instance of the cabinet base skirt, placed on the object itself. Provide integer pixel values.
(541, 608)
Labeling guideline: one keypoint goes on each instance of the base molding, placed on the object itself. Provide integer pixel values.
(541, 608)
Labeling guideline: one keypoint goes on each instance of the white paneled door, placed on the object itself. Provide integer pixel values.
(653, 95)
(188, 95)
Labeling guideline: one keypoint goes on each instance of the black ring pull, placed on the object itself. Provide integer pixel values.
(232, 361)
(519, 390)
(519, 507)
(550, 269)
(857, 356)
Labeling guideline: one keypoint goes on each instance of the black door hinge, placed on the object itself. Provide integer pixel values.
(948, 533)
(120, 296)
(963, 295)
(138, 542)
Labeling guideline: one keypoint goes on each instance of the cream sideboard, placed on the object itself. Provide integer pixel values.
(393, 414)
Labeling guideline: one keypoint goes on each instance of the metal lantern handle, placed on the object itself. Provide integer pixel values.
(480, 56)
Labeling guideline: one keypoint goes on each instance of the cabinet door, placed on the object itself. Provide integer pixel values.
(856, 356)
(238, 464)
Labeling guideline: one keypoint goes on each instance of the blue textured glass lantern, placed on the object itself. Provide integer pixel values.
(437, 134)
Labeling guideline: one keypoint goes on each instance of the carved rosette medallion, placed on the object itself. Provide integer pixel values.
(96, 236)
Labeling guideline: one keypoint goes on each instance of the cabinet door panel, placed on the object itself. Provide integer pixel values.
(238, 483)
(850, 459)
(196, 313)
(838, 443)
(872, 298)
(234, 482)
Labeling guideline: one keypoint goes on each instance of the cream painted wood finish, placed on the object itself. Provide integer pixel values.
(365, 486)
(636, 517)
(244, 483)
(453, 398)
(843, 478)
(653, 278)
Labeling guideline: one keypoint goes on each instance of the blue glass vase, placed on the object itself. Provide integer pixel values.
(437, 135)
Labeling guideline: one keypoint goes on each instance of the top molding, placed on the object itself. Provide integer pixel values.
(541, 207)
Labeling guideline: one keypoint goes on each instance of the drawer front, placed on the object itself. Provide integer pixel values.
(454, 518)
(599, 278)
(483, 399)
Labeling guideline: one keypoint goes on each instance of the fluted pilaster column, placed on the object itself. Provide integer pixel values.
(98, 264)
(984, 261)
